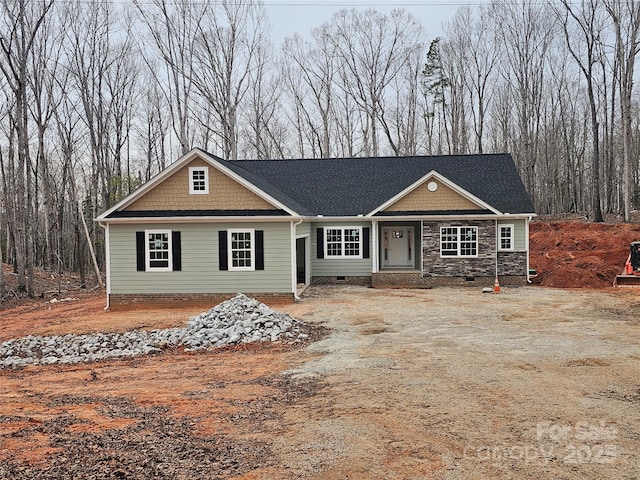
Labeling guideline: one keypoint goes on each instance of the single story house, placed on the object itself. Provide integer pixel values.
(207, 228)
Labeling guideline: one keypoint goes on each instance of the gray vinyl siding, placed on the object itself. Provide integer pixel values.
(519, 233)
(331, 267)
(200, 267)
(303, 229)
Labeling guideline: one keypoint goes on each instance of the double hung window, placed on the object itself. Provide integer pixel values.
(158, 250)
(241, 249)
(505, 237)
(459, 241)
(341, 242)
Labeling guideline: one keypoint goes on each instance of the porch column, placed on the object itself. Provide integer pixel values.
(294, 259)
(421, 233)
(526, 233)
(375, 254)
(496, 245)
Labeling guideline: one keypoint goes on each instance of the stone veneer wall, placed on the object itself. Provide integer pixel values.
(512, 263)
(436, 266)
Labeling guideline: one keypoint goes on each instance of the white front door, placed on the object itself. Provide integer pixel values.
(397, 247)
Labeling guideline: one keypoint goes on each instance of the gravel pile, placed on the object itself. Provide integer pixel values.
(239, 320)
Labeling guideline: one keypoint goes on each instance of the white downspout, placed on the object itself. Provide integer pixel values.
(497, 242)
(374, 246)
(294, 259)
(526, 227)
(421, 254)
(107, 260)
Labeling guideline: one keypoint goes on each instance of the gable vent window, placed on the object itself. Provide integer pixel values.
(459, 241)
(198, 180)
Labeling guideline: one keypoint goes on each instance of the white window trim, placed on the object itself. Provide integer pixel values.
(511, 237)
(230, 233)
(459, 242)
(342, 255)
(192, 191)
(147, 258)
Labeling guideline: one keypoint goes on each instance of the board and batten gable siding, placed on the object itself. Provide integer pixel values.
(334, 267)
(519, 233)
(200, 271)
(224, 194)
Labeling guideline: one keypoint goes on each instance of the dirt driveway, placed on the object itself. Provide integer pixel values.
(408, 384)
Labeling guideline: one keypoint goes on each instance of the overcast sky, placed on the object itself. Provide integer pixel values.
(291, 16)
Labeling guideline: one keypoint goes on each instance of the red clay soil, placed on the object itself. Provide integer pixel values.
(576, 254)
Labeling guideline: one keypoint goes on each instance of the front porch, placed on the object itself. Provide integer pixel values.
(398, 259)
(407, 254)
(398, 247)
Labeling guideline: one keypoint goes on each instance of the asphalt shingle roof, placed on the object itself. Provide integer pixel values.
(353, 186)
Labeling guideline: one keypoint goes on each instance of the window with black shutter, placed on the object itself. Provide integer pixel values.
(158, 251)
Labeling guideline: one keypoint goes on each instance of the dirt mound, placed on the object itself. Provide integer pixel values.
(577, 254)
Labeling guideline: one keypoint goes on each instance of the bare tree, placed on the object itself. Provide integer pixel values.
(583, 32)
(22, 22)
(7, 169)
(310, 70)
(525, 31)
(153, 131)
(564, 139)
(372, 49)
(172, 27)
(227, 47)
(400, 121)
(45, 66)
(69, 133)
(626, 22)
(89, 32)
(472, 38)
(262, 130)
(2, 286)
(121, 92)
(106, 75)
(454, 61)
(501, 118)
(87, 114)
(607, 89)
